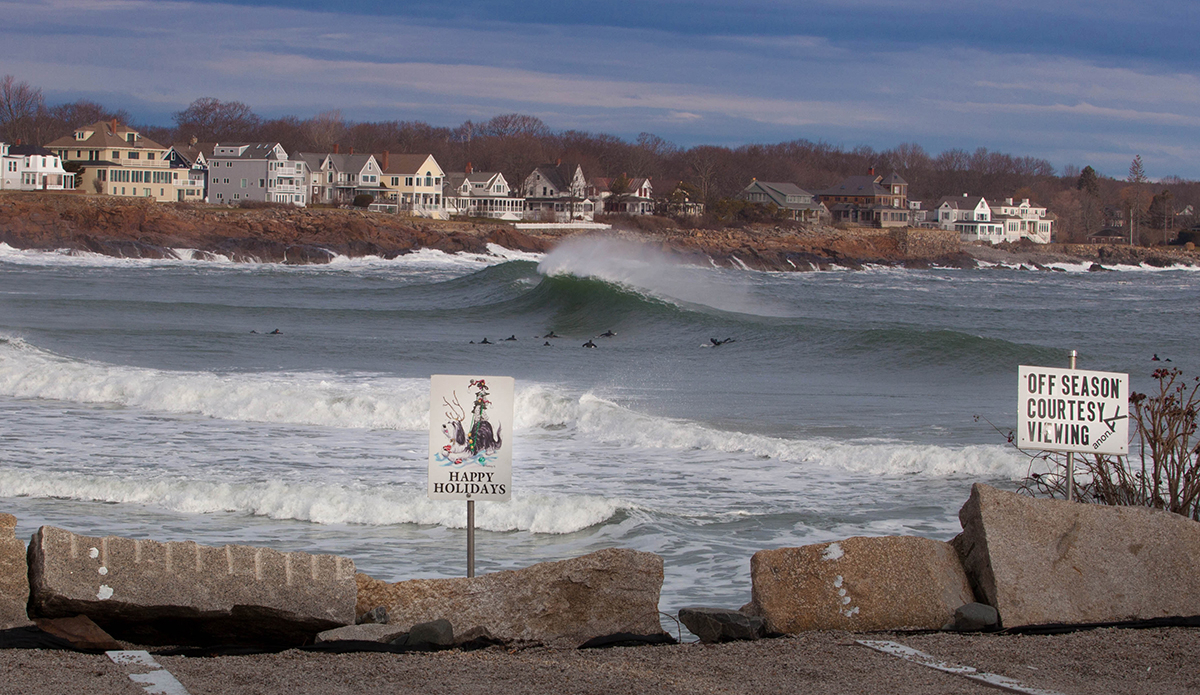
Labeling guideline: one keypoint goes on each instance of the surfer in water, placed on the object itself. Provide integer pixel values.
(512, 337)
(608, 334)
(718, 343)
(589, 344)
(551, 334)
(485, 341)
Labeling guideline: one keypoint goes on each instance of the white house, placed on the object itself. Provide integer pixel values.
(970, 216)
(975, 220)
(1024, 220)
(259, 171)
(637, 200)
(481, 194)
(30, 168)
(558, 192)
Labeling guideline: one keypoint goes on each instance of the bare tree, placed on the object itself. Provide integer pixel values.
(325, 129)
(20, 108)
(212, 120)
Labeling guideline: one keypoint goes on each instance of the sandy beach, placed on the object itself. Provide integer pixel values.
(1160, 661)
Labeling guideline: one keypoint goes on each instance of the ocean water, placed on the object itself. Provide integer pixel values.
(149, 399)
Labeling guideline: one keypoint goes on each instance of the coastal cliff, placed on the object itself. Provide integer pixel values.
(138, 228)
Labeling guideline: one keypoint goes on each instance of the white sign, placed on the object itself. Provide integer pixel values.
(1073, 410)
(470, 437)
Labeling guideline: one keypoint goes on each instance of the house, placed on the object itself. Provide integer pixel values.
(1024, 220)
(259, 171)
(481, 194)
(797, 203)
(192, 157)
(114, 159)
(919, 216)
(558, 192)
(637, 197)
(412, 183)
(1109, 235)
(337, 179)
(869, 199)
(970, 216)
(677, 199)
(30, 168)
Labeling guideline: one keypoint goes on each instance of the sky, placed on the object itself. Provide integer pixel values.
(1075, 82)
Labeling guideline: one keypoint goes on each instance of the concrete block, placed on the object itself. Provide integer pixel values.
(184, 593)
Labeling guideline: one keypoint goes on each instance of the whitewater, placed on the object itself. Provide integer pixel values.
(152, 399)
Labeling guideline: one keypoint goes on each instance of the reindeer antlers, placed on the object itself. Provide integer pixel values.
(456, 411)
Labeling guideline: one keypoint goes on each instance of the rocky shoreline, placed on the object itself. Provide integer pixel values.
(135, 228)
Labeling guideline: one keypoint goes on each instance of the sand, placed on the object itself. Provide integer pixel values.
(1159, 661)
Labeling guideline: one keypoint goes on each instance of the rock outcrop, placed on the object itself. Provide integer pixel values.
(722, 624)
(858, 584)
(183, 593)
(558, 604)
(14, 576)
(1040, 561)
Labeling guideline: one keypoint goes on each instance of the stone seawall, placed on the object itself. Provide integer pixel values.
(926, 243)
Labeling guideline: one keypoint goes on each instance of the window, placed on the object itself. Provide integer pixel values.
(116, 154)
(261, 183)
(243, 183)
(395, 180)
(408, 180)
(149, 155)
(133, 155)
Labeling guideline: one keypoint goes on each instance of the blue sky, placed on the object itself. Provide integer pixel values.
(1075, 82)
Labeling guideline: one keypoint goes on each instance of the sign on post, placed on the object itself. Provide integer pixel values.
(1073, 410)
(470, 437)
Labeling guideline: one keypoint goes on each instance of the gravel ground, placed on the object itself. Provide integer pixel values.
(1159, 661)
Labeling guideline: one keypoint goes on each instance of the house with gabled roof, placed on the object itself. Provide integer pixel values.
(481, 194)
(32, 168)
(337, 179)
(637, 199)
(192, 157)
(1024, 220)
(797, 203)
(558, 192)
(970, 216)
(412, 184)
(114, 159)
(869, 200)
(258, 171)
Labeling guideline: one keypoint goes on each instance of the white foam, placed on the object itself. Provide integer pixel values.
(320, 503)
(421, 259)
(378, 402)
(644, 269)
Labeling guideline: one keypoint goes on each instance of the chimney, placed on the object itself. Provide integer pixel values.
(18, 142)
(1008, 201)
(470, 168)
(385, 160)
(335, 148)
(871, 171)
(114, 126)
(1025, 201)
(351, 150)
(558, 162)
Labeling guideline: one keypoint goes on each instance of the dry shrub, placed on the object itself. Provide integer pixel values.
(1163, 468)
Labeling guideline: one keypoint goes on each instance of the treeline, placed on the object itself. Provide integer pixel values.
(514, 144)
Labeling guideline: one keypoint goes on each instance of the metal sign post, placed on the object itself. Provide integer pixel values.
(1071, 454)
(470, 443)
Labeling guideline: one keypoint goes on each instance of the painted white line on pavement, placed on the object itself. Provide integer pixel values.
(969, 672)
(156, 681)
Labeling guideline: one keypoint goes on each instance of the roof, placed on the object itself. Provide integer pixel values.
(28, 150)
(778, 192)
(858, 185)
(106, 134)
(252, 150)
(894, 179)
(404, 163)
(962, 202)
(191, 152)
(348, 162)
(603, 184)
